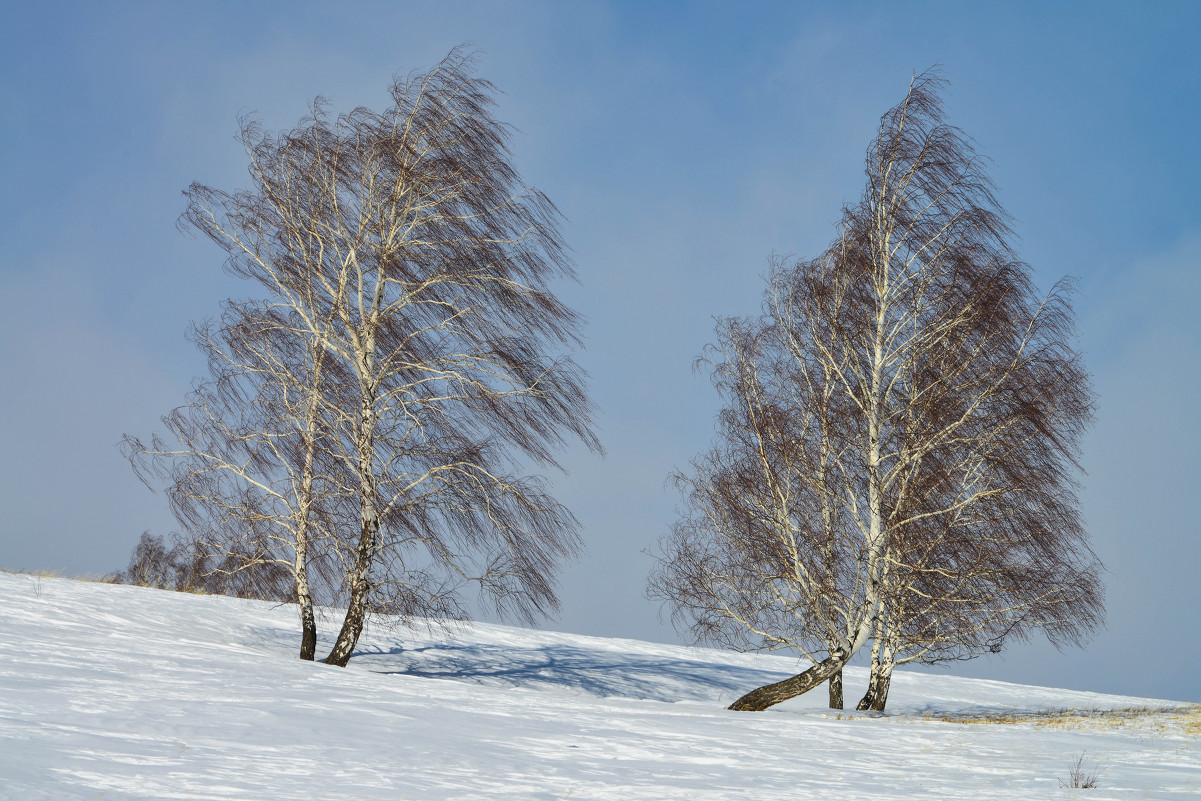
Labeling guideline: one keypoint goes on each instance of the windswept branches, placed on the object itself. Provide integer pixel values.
(981, 405)
(769, 551)
(405, 248)
(897, 457)
(246, 462)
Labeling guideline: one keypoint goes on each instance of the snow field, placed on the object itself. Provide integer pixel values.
(119, 692)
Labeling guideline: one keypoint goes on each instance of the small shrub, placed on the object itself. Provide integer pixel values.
(1081, 775)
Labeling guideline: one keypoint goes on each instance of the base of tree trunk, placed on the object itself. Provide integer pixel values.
(308, 635)
(352, 626)
(836, 690)
(348, 637)
(360, 588)
(772, 694)
(876, 696)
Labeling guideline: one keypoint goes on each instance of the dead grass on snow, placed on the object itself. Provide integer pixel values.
(1185, 719)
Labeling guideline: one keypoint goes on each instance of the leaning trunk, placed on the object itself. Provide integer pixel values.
(772, 694)
(360, 587)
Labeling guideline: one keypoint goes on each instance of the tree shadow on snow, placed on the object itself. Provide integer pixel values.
(595, 672)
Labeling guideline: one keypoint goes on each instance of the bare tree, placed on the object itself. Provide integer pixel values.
(982, 413)
(406, 248)
(764, 555)
(934, 402)
(152, 564)
(245, 470)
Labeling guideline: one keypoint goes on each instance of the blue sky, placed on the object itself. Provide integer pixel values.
(684, 143)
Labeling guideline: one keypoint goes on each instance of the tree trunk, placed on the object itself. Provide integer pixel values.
(836, 690)
(308, 629)
(360, 587)
(878, 685)
(304, 596)
(883, 661)
(772, 694)
(300, 569)
(356, 612)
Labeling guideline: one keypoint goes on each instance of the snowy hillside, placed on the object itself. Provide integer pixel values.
(122, 692)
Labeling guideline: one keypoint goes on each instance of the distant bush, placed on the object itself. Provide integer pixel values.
(151, 565)
(186, 566)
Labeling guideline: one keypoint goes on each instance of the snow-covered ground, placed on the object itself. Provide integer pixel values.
(121, 692)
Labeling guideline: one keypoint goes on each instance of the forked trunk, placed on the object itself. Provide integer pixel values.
(772, 694)
(884, 649)
(836, 690)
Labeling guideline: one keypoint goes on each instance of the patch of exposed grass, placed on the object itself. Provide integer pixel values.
(1190, 720)
(92, 578)
(33, 573)
(1184, 719)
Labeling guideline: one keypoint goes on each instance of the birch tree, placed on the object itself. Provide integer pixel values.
(983, 411)
(952, 406)
(766, 554)
(246, 472)
(410, 252)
